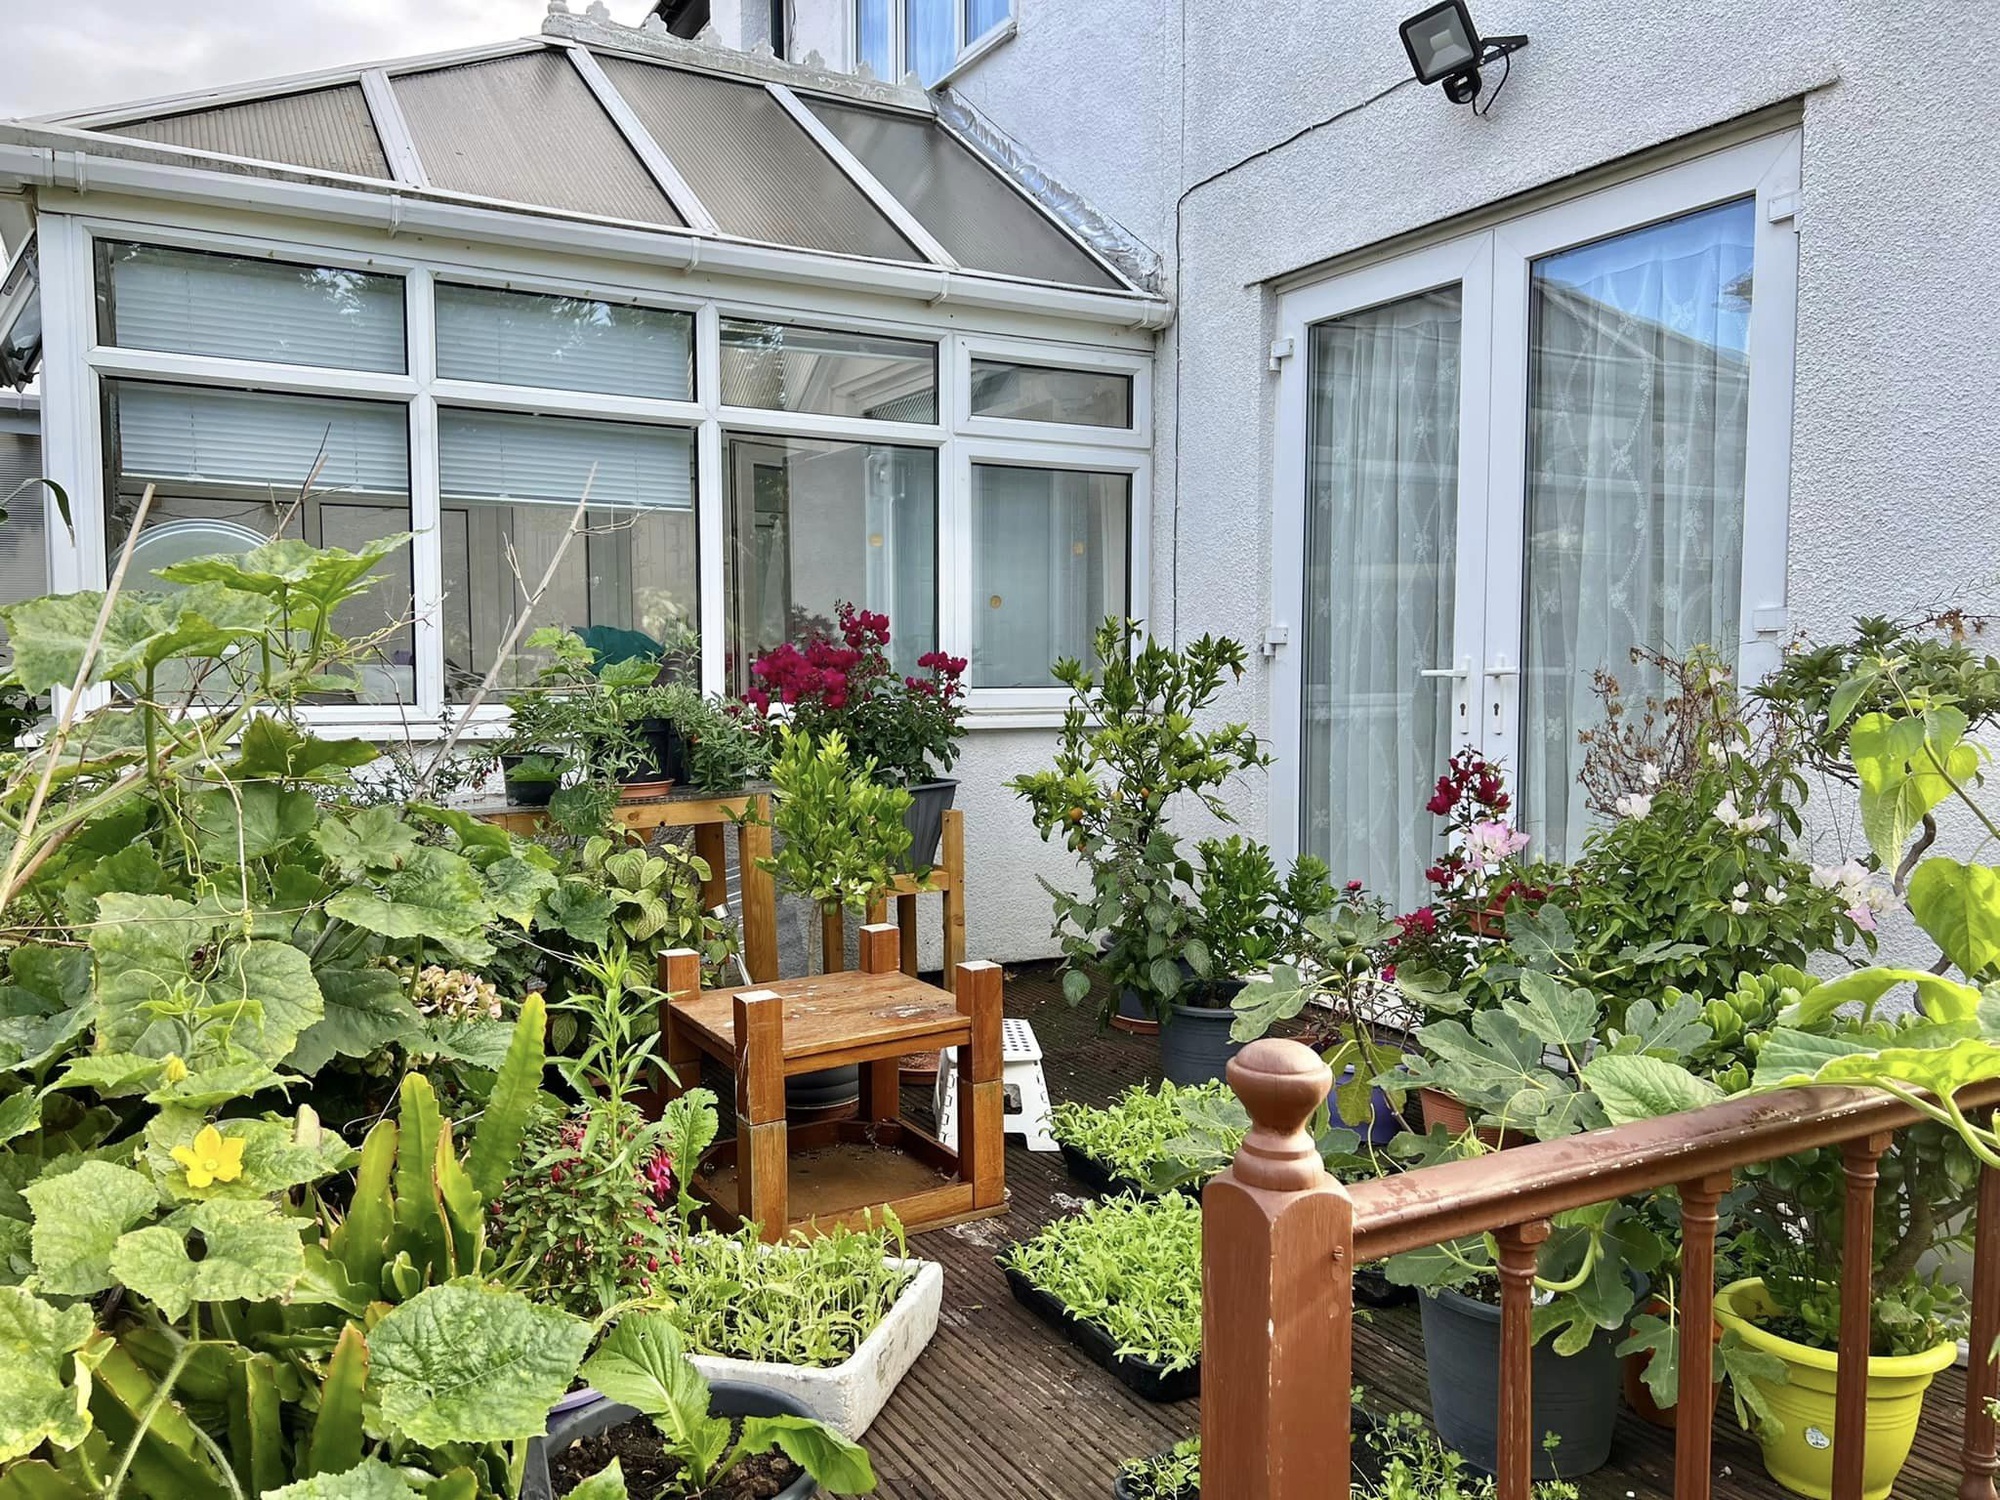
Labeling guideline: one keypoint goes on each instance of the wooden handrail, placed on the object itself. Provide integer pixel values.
(1281, 1238)
(1408, 1210)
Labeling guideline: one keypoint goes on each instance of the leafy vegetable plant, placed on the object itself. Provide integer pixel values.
(642, 1364)
(1135, 1136)
(1130, 1266)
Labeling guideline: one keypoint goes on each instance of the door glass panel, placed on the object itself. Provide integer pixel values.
(1381, 538)
(1638, 389)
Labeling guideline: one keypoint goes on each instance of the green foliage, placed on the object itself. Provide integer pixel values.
(840, 834)
(808, 1301)
(1410, 1462)
(1173, 1475)
(1136, 1136)
(1130, 747)
(1129, 1266)
(641, 1364)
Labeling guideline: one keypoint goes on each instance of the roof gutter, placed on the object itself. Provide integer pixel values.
(57, 161)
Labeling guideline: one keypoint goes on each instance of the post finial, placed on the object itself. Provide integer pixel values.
(1280, 1083)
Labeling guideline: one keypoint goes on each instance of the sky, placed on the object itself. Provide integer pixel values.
(72, 55)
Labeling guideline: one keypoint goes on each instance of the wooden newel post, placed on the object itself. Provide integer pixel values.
(1277, 1295)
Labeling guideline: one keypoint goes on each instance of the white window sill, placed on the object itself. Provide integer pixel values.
(992, 42)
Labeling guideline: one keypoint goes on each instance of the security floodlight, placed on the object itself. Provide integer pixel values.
(1446, 48)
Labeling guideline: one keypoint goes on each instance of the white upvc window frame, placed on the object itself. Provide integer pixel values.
(1020, 352)
(1493, 268)
(1044, 705)
(965, 51)
(77, 363)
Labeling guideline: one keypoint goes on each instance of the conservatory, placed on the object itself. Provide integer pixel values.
(802, 339)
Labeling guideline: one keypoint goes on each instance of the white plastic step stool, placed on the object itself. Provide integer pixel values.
(1027, 1111)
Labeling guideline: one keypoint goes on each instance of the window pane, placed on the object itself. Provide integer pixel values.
(1040, 393)
(191, 302)
(929, 47)
(512, 481)
(1639, 382)
(564, 343)
(815, 523)
(875, 36)
(840, 374)
(1049, 564)
(24, 565)
(981, 16)
(229, 466)
(1380, 570)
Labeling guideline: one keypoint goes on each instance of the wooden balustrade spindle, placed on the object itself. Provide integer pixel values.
(1277, 1295)
(1520, 1244)
(1694, 1429)
(1979, 1461)
(1857, 1298)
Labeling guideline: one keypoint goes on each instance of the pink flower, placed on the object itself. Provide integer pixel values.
(1490, 841)
(1861, 917)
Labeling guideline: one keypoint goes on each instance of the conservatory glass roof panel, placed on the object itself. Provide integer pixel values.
(527, 129)
(751, 164)
(329, 130)
(972, 211)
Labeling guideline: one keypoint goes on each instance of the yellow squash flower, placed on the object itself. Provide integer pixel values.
(214, 1157)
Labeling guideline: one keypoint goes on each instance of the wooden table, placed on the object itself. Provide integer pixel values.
(709, 817)
(818, 1176)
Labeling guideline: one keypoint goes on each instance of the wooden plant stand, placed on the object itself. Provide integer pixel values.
(710, 818)
(819, 1176)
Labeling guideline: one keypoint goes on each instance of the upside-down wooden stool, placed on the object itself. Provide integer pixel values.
(834, 1173)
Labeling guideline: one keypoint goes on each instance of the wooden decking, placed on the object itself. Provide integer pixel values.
(999, 1407)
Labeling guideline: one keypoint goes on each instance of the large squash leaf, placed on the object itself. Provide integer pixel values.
(79, 1217)
(252, 1254)
(465, 1362)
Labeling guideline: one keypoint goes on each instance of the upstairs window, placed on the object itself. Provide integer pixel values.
(925, 37)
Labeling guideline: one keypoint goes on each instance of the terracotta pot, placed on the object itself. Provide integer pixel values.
(1440, 1108)
(1490, 923)
(1632, 1372)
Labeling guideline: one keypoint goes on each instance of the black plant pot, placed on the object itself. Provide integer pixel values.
(830, 1094)
(726, 1398)
(1575, 1396)
(1194, 1044)
(665, 753)
(533, 793)
(929, 802)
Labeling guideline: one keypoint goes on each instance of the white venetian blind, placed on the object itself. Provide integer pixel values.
(190, 302)
(564, 343)
(505, 458)
(248, 437)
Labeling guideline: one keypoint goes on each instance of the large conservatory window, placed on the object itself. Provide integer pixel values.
(564, 343)
(230, 469)
(814, 523)
(784, 368)
(193, 302)
(509, 485)
(1048, 564)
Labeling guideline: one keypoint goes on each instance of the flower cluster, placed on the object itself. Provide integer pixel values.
(1473, 800)
(908, 725)
(1727, 815)
(455, 995)
(1863, 893)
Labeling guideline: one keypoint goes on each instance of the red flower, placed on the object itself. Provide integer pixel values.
(1423, 920)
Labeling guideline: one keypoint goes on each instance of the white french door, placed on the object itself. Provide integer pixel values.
(1504, 462)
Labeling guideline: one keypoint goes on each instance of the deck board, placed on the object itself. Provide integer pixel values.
(1000, 1407)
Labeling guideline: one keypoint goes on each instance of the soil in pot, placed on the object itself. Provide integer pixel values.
(1575, 1397)
(649, 1473)
(1195, 1045)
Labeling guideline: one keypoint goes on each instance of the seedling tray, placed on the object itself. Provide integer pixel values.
(1095, 1175)
(1146, 1379)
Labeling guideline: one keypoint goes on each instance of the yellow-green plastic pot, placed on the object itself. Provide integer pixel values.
(1801, 1457)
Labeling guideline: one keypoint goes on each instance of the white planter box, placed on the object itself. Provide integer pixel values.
(848, 1395)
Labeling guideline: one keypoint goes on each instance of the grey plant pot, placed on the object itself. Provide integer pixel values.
(726, 1398)
(929, 802)
(1575, 1396)
(1195, 1045)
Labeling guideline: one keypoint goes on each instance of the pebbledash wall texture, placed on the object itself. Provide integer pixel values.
(1249, 142)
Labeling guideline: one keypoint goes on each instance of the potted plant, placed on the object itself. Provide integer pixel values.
(659, 1411)
(906, 728)
(839, 836)
(1128, 749)
(531, 779)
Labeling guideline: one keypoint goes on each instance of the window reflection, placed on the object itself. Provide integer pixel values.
(788, 368)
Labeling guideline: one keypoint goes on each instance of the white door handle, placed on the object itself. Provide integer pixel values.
(1501, 669)
(1460, 672)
